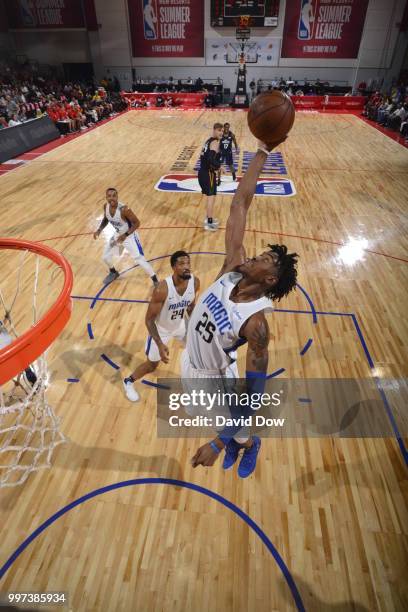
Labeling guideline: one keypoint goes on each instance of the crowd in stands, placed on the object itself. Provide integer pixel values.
(72, 106)
(143, 102)
(390, 110)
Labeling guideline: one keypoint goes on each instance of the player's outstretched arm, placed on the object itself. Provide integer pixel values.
(235, 230)
(102, 225)
(156, 304)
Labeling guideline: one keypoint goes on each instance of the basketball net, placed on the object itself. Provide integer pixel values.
(29, 429)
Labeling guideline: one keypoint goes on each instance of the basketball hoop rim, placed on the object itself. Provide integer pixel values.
(25, 349)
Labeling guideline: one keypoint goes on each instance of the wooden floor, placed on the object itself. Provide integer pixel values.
(334, 509)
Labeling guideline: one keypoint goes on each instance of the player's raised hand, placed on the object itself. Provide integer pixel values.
(268, 146)
(96, 234)
(205, 456)
(164, 353)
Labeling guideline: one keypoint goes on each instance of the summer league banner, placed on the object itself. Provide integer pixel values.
(323, 28)
(265, 50)
(167, 28)
(40, 14)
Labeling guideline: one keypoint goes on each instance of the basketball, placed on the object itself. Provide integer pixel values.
(271, 116)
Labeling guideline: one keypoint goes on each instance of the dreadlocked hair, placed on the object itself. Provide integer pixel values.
(286, 264)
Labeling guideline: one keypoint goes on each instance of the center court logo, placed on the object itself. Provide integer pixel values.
(149, 19)
(188, 183)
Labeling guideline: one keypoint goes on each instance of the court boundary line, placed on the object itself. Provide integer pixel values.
(168, 481)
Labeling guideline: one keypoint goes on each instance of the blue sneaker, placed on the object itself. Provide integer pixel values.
(248, 461)
(231, 454)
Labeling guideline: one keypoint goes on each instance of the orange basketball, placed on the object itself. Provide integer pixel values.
(271, 116)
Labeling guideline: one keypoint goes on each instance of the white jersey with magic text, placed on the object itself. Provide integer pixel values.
(171, 317)
(215, 323)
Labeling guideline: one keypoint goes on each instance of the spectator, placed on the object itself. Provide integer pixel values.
(14, 121)
(373, 102)
(209, 101)
(396, 118)
(389, 109)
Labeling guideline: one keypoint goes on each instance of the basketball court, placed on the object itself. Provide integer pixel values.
(322, 523)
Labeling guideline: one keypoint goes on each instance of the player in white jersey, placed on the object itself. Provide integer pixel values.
(171, 301)
(125, 222)
(231, 313)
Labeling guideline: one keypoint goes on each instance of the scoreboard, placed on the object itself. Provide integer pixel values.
(262, 13)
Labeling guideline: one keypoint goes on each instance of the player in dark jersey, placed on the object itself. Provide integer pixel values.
(226, 151)
(207, 174)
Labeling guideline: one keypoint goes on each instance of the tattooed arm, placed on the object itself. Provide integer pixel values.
(256, 331)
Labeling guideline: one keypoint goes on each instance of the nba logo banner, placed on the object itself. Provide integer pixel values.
(323, 28)
(150, 19)
(306, 19)
(188, 183)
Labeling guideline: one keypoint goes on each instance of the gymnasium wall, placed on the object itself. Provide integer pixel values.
(109, 47)
(54, 47)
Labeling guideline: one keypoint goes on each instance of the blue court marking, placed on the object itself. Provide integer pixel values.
(397, 433)
(276, 373)
(90, 332)
(178, 483)
(310, 303)
(72, 380)
(304, 400)
(362, 340)
(90, 297)
(306, 347)
(110, 362)
(288, 310)
(318, 312)
(381, 391)
(149, 383)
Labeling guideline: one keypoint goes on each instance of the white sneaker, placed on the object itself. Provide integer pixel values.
(130, 391)
(210, 227)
